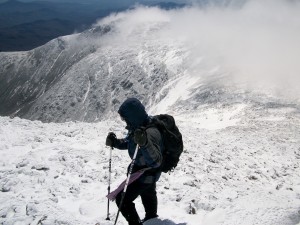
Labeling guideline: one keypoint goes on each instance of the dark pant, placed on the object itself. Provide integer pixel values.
(149, 200)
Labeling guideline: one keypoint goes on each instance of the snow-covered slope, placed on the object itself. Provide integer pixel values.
(79, 77)
(244, 169)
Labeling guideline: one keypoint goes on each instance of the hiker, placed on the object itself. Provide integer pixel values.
(149, 156)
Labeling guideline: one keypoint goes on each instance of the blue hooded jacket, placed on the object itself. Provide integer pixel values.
(134, 114)
(148, 156)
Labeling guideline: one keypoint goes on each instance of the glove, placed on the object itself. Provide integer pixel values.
(140, 137)
(111, 139)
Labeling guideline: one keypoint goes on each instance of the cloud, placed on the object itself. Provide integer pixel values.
(257, 41)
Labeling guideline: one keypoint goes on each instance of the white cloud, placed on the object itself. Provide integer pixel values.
(258, 40)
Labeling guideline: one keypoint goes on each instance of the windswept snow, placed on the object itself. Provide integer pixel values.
(214, 118)
(243, 172)
(178, 89)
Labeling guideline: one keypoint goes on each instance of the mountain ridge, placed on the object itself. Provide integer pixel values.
(85, 76)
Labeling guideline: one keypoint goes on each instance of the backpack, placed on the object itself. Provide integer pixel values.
(172, 140)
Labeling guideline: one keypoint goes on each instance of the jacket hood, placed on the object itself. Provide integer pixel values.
(133, 112)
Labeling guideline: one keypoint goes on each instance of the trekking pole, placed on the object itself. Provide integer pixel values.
(109, 180)
(127, 182)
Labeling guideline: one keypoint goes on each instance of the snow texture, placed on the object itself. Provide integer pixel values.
(244, 169)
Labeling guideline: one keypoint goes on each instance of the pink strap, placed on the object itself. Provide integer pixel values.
(112, 196)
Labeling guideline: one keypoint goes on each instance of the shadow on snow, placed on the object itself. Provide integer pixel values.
(162, 222)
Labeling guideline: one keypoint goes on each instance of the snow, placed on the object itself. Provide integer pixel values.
(241, 169)
(213, 119)
(178, 89)
(240, 164)
(88, 90)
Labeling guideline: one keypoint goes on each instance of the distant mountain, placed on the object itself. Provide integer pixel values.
(23, 25)
(73, 78)
(81, 77)
(85, 76)
(13, 6)
(29, 35)
(16, 13)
